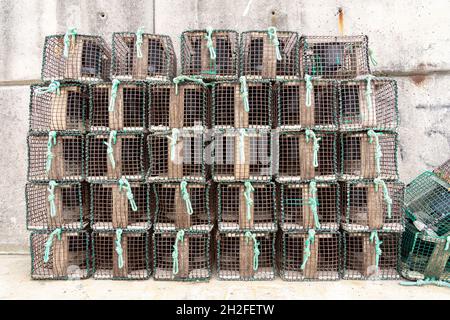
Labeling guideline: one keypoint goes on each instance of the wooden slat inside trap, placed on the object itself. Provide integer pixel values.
(62, 109)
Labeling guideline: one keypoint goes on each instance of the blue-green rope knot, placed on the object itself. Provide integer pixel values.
(179, 79)
(369, 91)
(49, 243)
(379, 182)
(426, 281)
(272, 33)
(313, 203)
(139, 42)
(374, 238)
(173, 143)
(256, 252)
(123, 183)
(378, 154)
(179, 237)
(447, 244)
(209, 43)
(54, 86)
(249, 189)
(309, 88)
(71, 32)
(119, 249)
(372, 58)
(109, 150)
(186, 197)
(307, 250)
(51, 197)
(244, 92)
(310, 134)
(112, 100)
(50, 143)
(242, 134)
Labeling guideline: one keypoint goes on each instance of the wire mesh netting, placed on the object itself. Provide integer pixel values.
(443, 171)
(121, 255)
(210, 54)
(142, 56)
(340, 57)
(117, 106)
(76, 57)
(59, 255)
(269, 54)
(182, 255)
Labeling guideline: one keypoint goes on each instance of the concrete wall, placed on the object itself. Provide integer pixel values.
(411, 41)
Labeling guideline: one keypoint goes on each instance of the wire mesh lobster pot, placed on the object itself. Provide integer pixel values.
(55, 156)
(259, 55)
(176, 155)
(367, 206)
(59, 255)
(424, 256)
(316, 258)
(246, 256)
(177, 106)
(57, 205)
(121, 254)
(368, 103)
(229, 105)
(298, 160)
(158, 60)
(360, 159)
(329, 57)
(121, 109)
(88, 58)
(362, 259)
(182, 255)
(299, 202)
(110, 158)
(242, 154)
(247, 206)
(111, 208)
(443, 171)
(63, 110)
(197, 58)
(427, 203)
(298, 109)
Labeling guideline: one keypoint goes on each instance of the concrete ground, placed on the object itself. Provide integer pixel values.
(15, 283)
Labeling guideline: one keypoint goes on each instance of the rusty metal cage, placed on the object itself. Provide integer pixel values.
(113, 155)
(371, 255)
(117, 106)
(269, 54)
(55, 156)
(310, 205)
(142, 56)
(443, 171)
(210, 54)
(59, 255)
(341, 57)
(76, 57)
(121, 254)
(245, 104)
(182, 255)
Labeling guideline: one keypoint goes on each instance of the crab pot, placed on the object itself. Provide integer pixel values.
(235, 215)
(360, 256)
(294, 114)
(297, 213)
(427, 199)
(89, 59)
(68, 256)
(228, 105)
(158, 61)
(135, 245)
(111, 209)
(240, 157)
(169, 109)
(356, 112)
(65, 111)
(194, 262)
(186, 162)
(296, 157)
(259, 59)
(71, 206)
(358, 156)
(67, 161)
(235, 256)
(127, 152)
(196, 59)
(443, 171)
(329, 57)
(322, 264)
(364, 207)
(128, 111)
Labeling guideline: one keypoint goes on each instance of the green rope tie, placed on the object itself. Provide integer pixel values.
(209, 43)
(139, 42)
(186, 197)
(372, 58)
(173, 143)
(272, 32)
(374, 237)
(244, 92)
(54, 86)
(112, 101)
(369, 92)
(307, 250)
(256, 252)
(426, 281)
(378, 154)
(119, 249)
(50, 143)
(248, 199)
(312, 201)
(71, 32)
(242, 133)
(51, 197)
(379, 182)
(109, 150)
(123, 183)
(447, 244)
(309, 87)
(49, 243)
(310, 134)
(180, 79)
(179, 237)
